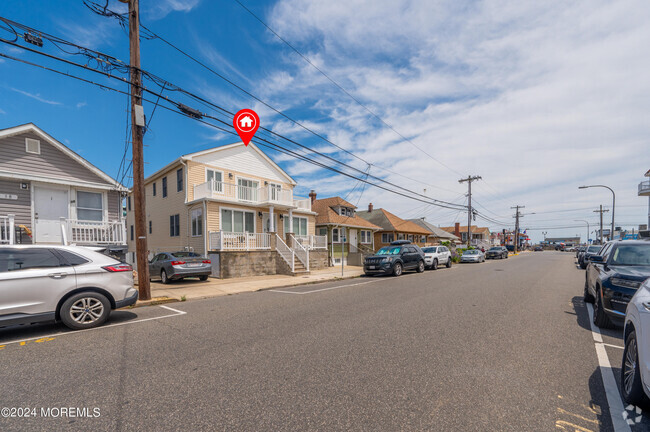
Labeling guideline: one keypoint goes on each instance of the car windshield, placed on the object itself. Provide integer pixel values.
(635, 255)
(593, 249)
(496, 248)
(470, 252)
(184, 254)
(390, 250)
(428, 249)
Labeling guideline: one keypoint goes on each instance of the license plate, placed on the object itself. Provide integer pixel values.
(371, 267)
(194, 265)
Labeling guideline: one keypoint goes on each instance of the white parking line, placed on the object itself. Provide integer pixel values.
(612, 393)
(72, 332)
(323, 289)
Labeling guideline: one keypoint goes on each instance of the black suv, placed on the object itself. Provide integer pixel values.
(394, 259)
(496, 252)
(613, 277)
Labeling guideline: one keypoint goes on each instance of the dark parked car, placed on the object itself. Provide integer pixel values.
(178, 265)
(580, 250)
(613, 276)
(538, 249)
(394, 259)
(496, 252)
(583, 257)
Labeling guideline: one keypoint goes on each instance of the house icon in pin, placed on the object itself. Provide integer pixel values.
(246, 122)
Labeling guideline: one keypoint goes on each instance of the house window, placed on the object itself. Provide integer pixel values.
(247, 190)
(90, 206)
(275, 192)
(335, 235)
(197, 222)
(400, 236)
(387, 238)
(32, 146)
(132, 233)
(150, 227)
(174, 226)
(216, 178)
(423, 239)
(128, 202)
(410, 237)
(154, 189)
(237, 221)
(299, 225)
(164, 187)
(179, 180)
(366, 237)
(322, 231)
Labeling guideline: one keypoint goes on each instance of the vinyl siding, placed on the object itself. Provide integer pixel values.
(51, 162)
(21, 208)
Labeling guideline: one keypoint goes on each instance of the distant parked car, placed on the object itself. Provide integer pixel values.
(179, 265)
(394, 259)
(472, 255)
(70, 284)
(613, 277)
(635, 370)
(570, 249)
(579, 250)
(538, 249)
(436, 255)
(583, 258)
(496, 252)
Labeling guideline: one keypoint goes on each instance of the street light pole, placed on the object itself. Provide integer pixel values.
(611, 234)
(582, 220)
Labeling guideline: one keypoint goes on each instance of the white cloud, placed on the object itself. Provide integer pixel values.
(162, 8)
(81, 104)
(537, 99)
(36, 96)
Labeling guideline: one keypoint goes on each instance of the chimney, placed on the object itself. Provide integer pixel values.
(369, 207)
(312, 195)
(457, 229)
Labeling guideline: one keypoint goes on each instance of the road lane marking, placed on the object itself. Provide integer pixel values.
(612, 393)
(322, 289)
(614, 346)
(71, 332)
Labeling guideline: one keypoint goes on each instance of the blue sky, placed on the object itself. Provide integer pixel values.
(535, 99)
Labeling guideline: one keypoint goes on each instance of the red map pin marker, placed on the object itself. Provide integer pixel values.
(246, 123)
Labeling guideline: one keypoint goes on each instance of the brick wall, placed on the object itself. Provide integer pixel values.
(242, 264)
(318, 259)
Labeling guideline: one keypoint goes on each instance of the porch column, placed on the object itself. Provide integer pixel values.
(12, 229)
(271, 220)
(291, 221)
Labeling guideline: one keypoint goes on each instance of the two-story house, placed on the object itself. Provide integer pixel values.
(349, 236)
(393, 228)
(234, 204)
(51, 195)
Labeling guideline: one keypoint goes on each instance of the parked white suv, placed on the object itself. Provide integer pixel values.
(435, 256)
(635, 371)
(72, 284)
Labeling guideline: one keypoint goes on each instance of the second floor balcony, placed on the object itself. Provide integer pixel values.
(644, 188)
(265, 195)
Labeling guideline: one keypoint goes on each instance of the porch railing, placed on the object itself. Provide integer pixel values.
(285, 252)
(300, 251)
(93, 233)
(7, 229)
(303, 203)
(225, 240)
(312, 241)
(233, 192)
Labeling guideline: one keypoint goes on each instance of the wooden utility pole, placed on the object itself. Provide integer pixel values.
(137, 133)
(469, 181)
(517, 215)
(601, 211)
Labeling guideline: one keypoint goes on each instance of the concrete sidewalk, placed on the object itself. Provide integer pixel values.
(194, 289)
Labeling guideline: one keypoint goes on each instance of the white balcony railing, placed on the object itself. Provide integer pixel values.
(93, 233)
(312, 241)
(245, 194)
(644, 188)
(7, 229)
(225, 241)
(303, 203)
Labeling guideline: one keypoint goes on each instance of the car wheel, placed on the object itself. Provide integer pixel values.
(631, 384)
(397, 269)
(85, 310)
(163, 277)
(203, 278)
(588, 298)
(421, 267)
(448, 262)
(434, 265)
(600, 317)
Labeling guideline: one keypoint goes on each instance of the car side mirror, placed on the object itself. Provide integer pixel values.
(596, 259)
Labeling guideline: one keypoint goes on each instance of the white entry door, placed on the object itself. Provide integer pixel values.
(353, 239)
(266, 223)
(50, 205)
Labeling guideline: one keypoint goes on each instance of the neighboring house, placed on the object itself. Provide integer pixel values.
(51, 195)
(348, 235)
(236, 205)
(393, 228)
(480, 235)
(437, 235)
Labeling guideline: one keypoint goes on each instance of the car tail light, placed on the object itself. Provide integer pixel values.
(177, 262)
(118, 268)
(207, 262)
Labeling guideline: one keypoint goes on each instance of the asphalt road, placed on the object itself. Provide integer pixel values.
(505, 345)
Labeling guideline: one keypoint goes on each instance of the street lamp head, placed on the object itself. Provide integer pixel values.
(583, 187)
